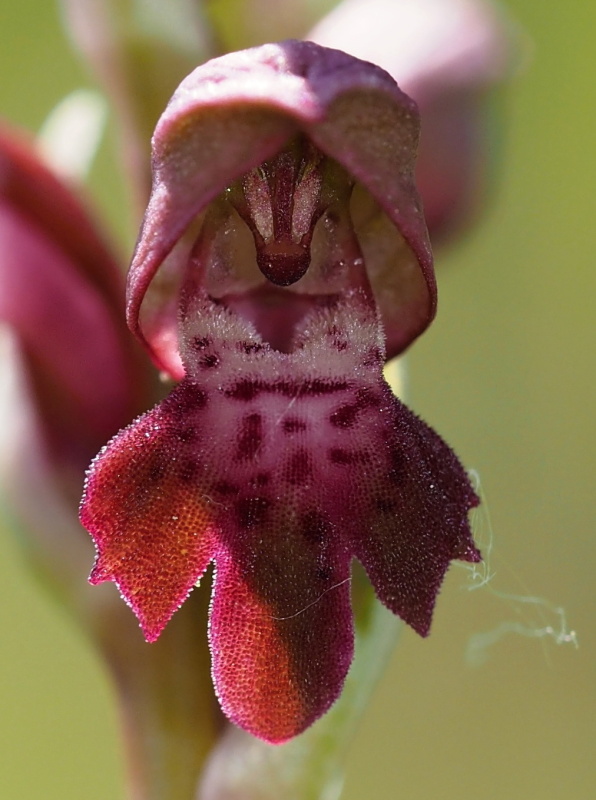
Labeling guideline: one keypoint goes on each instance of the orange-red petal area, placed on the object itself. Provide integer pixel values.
(149, 512)
(281, 644)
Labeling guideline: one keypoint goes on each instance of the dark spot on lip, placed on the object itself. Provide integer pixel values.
(299, 468)
(338, 455)
(252, 511)
(251, 347)
(248, 388)
(250, 437)
(245, 389)
(293, 424)
(345, 416)
(316, 528)
(187, 397)
(209, 361)
(385, 505)
(373, 357)
(201, 342)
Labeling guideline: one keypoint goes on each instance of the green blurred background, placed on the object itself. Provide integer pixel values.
(507, 375)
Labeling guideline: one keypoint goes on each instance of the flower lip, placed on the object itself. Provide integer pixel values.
(281, 468)
(232, 114)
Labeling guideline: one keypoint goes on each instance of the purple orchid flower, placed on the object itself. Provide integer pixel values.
(283, 257)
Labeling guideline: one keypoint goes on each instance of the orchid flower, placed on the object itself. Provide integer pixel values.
(283, 257)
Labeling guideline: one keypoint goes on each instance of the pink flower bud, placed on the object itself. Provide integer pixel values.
(448, 55)
(60, 293)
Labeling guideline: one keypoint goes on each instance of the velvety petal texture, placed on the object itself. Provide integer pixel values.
(280, 467)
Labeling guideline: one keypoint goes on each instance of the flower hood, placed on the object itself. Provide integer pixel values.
(232, 114)
(283, 251)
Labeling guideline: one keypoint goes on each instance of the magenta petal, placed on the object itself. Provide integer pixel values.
(146, 507)
(281, 622)
(416, 522)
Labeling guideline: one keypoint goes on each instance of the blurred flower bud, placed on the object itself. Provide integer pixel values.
(61, 298)
(448, 55)
(70, 377)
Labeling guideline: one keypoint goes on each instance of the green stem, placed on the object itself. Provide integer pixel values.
(169, 714)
